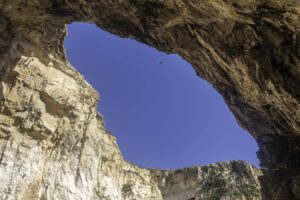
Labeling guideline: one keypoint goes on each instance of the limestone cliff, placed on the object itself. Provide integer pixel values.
(53, 143)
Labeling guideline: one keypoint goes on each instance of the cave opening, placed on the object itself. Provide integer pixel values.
(162, 114)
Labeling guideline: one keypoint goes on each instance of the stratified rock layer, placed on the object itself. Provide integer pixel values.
(248, 50)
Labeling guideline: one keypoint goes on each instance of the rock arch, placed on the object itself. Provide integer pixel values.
(248, 50)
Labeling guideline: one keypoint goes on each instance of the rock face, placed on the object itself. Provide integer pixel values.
(53, 144)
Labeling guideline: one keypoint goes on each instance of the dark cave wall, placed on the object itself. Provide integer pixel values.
(248, 50)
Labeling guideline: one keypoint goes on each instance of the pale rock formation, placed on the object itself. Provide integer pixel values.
(53, 145)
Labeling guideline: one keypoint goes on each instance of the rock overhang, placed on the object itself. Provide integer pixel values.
(253, 61)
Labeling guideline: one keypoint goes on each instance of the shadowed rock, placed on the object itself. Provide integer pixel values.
(248, 50)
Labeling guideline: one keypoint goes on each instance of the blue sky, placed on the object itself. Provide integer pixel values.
(162, 114)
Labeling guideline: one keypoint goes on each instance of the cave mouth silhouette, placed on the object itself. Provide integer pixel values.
(163, 115)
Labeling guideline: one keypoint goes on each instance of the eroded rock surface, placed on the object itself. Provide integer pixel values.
(53, 145)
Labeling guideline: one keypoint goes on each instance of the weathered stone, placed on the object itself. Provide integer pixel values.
(53, 145)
